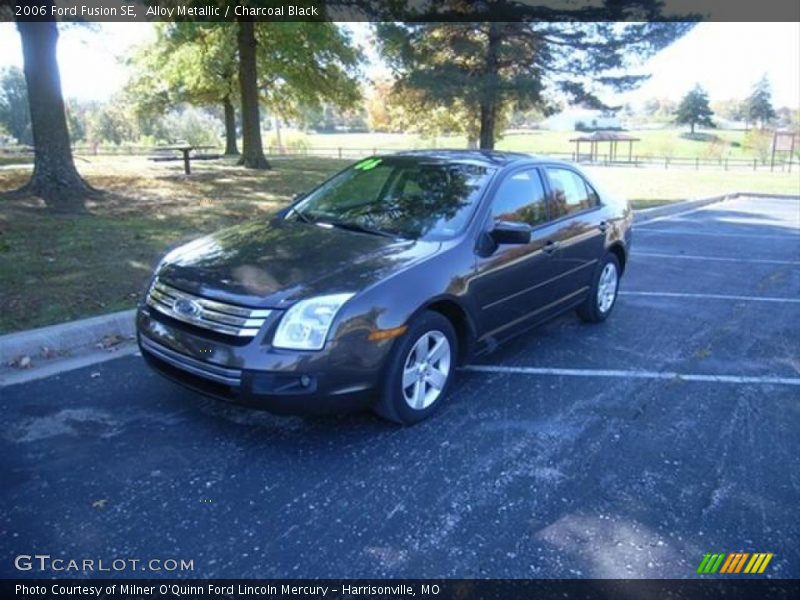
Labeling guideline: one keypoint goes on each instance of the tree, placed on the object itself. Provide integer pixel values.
(694, 109)
(111, 123)
(759, 104)
(297, 65)
(189, 62)
(76, 120)
(14, 113)
(525, 63)
(192, 125)
(252, 148)
(305, 65)
(55, 178)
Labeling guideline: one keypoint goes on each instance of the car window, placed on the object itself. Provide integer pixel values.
(354, 191)
(570, 192)
(411, 197)
(520, 198)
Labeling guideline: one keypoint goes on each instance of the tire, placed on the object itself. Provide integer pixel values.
(603, 294)
(432, 334)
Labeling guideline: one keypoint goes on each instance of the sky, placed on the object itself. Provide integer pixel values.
(726, 58)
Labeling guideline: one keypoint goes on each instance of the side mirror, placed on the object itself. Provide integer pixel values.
(508, 232)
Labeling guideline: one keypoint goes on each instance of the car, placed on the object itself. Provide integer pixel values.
(371, 289)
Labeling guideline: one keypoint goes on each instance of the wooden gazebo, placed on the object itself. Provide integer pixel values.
(594, 140)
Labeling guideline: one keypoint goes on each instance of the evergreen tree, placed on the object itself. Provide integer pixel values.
(694, 109)
(489, 68)
(759, 104)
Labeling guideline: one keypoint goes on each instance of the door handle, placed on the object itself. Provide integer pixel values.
(551, 246)
(602, 226)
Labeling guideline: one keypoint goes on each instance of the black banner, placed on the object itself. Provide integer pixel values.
(400, 10)
(440, 589)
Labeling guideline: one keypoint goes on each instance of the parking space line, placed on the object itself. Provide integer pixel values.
(712, 296)
(634, 374)
(680, 214)
(717, 258)
(791, 236)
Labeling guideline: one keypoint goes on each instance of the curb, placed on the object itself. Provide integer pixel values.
(69, 338)
(648, 214)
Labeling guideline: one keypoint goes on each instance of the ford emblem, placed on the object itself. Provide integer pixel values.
(187, 308)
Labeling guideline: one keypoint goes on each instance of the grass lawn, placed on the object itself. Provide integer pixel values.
(651, 187)
(57, 268)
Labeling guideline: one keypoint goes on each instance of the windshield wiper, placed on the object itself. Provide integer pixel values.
(361, 229)
(300, 215)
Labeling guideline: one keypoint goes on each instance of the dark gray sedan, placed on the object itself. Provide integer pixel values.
(369, 290)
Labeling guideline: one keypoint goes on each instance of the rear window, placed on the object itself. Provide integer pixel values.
(570, 192)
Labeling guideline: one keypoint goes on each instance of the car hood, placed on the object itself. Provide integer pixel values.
(273, 265)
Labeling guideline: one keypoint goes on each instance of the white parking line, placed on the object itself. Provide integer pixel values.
(791, 236)
(712, 296)
(763, 261)
(682, 213)
(633, 374)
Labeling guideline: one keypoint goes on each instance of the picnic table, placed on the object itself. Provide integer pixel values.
(185, 150)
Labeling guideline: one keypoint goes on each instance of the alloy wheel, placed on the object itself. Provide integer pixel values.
(426, 370)
(607, 287)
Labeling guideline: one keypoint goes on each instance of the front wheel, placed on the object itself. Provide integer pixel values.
(420, 370)
(603, 293)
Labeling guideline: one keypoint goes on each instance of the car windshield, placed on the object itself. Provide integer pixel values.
(406, 197)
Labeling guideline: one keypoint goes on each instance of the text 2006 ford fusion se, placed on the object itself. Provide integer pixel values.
(371, 289)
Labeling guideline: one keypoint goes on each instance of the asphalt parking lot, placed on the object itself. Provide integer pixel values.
(628, 449)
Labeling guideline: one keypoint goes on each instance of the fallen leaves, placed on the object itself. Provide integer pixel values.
(110, 342)
(47, 352)
(21, 362)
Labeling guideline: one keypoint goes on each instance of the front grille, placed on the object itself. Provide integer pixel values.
(228, 319)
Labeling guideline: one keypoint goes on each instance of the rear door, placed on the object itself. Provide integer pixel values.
(510, 285)
(575, 207)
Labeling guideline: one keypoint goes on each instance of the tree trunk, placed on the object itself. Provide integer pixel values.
(692, 126)
(276, 124)
(54, 178)
(487, 126)
(230, 127)
(489, 91)
(252, 148)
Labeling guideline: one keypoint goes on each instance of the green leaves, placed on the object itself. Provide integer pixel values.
(14, 114)
(299, 64)
(694, 109)
(487, 69)
(759, 104)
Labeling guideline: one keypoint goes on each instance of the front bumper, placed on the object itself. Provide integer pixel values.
(343, 376)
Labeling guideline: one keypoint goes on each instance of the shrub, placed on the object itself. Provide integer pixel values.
(192, 125)
(760, 143)
(294, 142)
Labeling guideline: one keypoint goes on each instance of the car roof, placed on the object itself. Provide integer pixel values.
(489, 158)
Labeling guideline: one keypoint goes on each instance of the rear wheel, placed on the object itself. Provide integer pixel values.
(420, 370)
(603, 294)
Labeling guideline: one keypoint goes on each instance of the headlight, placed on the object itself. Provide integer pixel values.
(305, 325)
